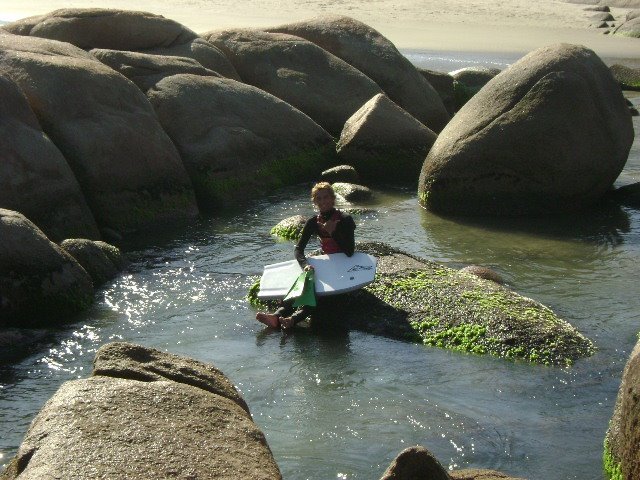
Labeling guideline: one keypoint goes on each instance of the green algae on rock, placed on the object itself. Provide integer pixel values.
(418, 300)
(290, 228)
(612, 468)
(456, 310)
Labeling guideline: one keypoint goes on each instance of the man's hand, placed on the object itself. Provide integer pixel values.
(330, 226)
(308, 268)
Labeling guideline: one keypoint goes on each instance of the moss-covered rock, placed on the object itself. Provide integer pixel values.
(450, 309)
(627, 77)
(419, 300)
(93, 258)
(40, 284)
(290, 228)
(621, 457)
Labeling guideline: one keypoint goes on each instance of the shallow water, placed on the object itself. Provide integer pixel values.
(343, 404)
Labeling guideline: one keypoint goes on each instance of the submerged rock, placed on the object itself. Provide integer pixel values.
(341, 173)
(374, 55)
(549, 134)
(40, 284)
(418, 463)
(385, 143)
(165, 426)
(419, 300)
(627, 77)
(621, 452)
(237, 141)
(321, 85)
(129, 170)
(414, 463)
(92, 257)
(352, 192)
(36, 179)
(290, 228)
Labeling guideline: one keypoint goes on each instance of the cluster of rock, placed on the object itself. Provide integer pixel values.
(200, 120)
(149, 414)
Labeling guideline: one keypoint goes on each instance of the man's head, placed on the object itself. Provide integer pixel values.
(323, 196)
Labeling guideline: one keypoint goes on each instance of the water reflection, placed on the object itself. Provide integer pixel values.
(588, 234)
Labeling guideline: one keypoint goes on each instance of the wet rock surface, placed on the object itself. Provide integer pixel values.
(120, 428)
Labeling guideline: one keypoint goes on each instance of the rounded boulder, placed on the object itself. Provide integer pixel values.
(126, 165)
(36, 179)
(236, 140)
(551, 133)
(385, 143)
(40, 284)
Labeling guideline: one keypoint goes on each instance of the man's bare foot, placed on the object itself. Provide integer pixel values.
(286, 323)
(269, 319)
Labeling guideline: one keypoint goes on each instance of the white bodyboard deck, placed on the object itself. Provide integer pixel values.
(334, 274)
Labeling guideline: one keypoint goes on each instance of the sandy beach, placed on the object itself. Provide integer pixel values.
(454, 25)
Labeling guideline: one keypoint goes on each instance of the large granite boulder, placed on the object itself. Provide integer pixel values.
(111, 29)
(416, 299)
(104, 28)
(146, 70)
(630, 28)
(442, 82)
(385, 143)
(92, 258)
(119, 428)
(36, 179)
(374, 55)
(127, 167)
(236, 140)
(551, 133)
(622, 443)
(299, 72)
(40, 284)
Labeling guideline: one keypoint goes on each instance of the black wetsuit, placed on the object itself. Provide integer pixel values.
(343, 236)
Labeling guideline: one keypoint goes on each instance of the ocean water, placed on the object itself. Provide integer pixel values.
(344, 404)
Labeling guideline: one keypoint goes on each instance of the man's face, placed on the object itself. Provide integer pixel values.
(324, 200)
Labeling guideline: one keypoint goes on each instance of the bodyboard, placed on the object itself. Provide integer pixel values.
(334, 274)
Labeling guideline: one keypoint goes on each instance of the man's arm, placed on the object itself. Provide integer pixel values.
(309, 229)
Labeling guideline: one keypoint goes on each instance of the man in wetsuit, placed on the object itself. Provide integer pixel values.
(336, 233)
